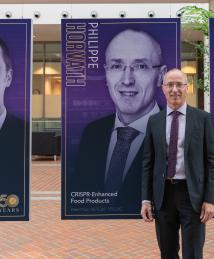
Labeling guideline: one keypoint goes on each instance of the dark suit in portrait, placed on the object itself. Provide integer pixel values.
(90, 166)
(12, 156)
(196, 189)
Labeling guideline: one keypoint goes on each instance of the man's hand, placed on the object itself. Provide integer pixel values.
(207, 212)
(146, 212)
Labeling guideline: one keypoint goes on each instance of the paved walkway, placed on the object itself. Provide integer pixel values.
(46, 236)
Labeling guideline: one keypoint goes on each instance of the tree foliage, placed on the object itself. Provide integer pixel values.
(198, 19)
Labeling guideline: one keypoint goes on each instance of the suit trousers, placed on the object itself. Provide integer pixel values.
(177, 213)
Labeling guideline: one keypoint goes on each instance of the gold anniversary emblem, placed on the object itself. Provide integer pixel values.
(12, 200)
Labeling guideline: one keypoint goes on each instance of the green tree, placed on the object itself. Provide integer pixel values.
(198, 19)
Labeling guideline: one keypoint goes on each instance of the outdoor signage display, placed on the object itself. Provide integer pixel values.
(112, 71)
(15, 90)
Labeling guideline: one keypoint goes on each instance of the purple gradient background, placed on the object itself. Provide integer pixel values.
(86, 104)
(17, 36)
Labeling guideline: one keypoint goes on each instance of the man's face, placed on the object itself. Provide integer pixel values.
(175, 89)
(131, 80)
(5, 79)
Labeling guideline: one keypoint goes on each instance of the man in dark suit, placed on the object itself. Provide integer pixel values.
(178, 172)
(12, 130)
(109, 157)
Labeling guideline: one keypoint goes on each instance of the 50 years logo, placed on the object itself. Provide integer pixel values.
(10, 201)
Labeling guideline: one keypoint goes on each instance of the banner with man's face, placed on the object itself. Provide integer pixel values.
(112, 72)
(15, 90)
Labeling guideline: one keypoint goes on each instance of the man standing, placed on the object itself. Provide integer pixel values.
(178, 172)
(109, 157)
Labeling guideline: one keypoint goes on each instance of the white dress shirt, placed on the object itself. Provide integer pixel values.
(180, 169)
(2, 117)
(139, 125)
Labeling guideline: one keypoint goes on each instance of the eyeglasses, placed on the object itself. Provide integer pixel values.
(136, 67)
(178, 85)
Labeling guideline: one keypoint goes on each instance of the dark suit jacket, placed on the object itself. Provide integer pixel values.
(89, 172)
(13, 165)
(198, 156)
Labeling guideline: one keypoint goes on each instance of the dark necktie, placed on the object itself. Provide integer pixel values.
(172, 155)
(125, 135)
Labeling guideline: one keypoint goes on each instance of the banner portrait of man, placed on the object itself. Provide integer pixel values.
(15, 60)
(107, 103)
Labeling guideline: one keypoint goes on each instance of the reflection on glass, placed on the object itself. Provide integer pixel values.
(46, 81)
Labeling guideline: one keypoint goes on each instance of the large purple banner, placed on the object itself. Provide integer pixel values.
(112, 71)
(15, 71)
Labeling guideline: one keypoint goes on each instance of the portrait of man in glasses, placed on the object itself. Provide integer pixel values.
(109, 158)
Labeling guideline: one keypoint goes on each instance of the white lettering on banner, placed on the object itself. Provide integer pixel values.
(93, 52)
